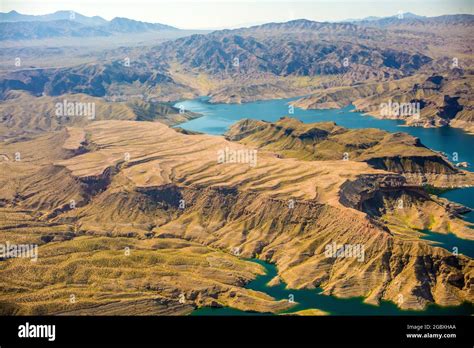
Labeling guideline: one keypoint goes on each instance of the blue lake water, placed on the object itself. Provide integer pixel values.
(307, 299)
(451, 242)
(217, 118)
(464, 196)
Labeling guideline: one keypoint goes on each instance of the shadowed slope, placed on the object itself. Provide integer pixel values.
(153, 182)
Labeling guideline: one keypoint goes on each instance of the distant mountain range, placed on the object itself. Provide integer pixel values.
(73, 24)
(300, 48)
(405, 15)
(295, 48)
(17, 26)
(410, 21)
(294, 58)
(14, 16)
(84, 185)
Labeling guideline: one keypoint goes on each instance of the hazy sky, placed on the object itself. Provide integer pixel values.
(197, 14)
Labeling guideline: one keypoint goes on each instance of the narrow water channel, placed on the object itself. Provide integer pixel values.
(457, 144)
(313, 299)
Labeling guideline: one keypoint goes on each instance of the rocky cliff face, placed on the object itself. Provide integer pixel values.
(180, 212)
(399, 152)
(441, 99)
(24, 115)
(266, 61)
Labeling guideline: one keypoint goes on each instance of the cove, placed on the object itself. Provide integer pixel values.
(464, 196)
(307, 299)
(217, 118)
(450, 241)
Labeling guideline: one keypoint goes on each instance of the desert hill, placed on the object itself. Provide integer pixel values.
(363, 63)
(443, 99)
(165, 195)
(23, 114)
(394, 152)
(16, 26)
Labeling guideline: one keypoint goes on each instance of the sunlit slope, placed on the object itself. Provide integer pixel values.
(395, 152)
(166, 196)
(23, 114)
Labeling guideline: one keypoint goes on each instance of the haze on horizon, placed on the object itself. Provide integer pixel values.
(199, 14)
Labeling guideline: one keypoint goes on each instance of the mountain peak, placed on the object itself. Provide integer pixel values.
(301, 20)
(411, 15)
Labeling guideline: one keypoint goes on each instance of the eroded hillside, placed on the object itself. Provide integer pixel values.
(333, 64)
(394, 152)
(137, 215)
(438, 100)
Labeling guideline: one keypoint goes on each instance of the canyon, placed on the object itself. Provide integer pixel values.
(176, 209)
(135, 212)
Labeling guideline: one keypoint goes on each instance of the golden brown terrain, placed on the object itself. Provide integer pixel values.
(444, 99)
(395, 152)
(137, 218)
(23, 114)
(133, 217)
